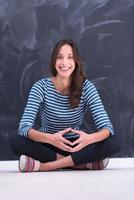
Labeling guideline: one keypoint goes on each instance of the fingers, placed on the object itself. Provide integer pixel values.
(77, 132)
(77, 141)
(66, 141)
(78, 147)
(65, 131)
(66, 147)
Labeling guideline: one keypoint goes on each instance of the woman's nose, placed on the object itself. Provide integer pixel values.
(65, 61)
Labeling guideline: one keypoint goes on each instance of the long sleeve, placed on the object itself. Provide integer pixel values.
(98, 111)
(33, 104)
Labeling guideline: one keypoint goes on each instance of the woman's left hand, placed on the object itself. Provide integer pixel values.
(84, 140)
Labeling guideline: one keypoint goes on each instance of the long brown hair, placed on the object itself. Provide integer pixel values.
(78, 75)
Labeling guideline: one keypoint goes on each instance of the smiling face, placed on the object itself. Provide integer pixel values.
(65, 63)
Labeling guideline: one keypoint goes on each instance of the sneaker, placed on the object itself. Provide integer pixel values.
(98, 165)
(28, 164)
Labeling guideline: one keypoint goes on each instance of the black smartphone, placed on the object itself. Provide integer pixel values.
(71, 135)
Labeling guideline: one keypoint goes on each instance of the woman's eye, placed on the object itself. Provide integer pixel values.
(59, 57)
(70, 57)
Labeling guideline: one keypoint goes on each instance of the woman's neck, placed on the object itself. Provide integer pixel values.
(62, 85)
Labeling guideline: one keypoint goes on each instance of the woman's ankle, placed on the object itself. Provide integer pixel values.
(59, 156)
(57, 164)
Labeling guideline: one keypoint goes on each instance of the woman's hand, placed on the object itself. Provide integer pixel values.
(84, 140)
(59, 141)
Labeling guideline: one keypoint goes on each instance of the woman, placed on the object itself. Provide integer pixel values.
(62, 100)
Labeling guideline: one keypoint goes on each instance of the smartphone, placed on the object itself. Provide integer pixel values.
(71, 135)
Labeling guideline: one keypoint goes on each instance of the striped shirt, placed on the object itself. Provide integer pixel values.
(56, 113)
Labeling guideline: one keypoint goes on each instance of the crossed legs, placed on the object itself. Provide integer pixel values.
(52, 158)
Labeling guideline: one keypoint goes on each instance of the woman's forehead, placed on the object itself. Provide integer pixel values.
(66, 48)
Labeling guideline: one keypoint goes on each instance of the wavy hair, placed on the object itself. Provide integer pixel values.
(78, 75)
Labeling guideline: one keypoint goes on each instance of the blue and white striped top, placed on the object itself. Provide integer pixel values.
(56, 113)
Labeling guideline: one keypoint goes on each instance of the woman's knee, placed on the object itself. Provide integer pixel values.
(115, 143)
(16, 142)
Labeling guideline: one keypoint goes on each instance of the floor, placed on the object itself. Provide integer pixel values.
(116, 182)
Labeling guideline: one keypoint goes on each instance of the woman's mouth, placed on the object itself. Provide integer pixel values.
(65, 68)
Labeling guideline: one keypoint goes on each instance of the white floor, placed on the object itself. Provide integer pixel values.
(116, 182)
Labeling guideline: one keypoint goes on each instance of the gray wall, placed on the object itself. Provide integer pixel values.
(104, 32)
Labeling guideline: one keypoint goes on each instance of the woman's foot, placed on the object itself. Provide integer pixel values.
(28, 164)
(98, 165)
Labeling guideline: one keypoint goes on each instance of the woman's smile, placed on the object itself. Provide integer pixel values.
(65, 68)
(65, 63)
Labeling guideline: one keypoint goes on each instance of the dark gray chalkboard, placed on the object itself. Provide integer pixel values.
(104, 32)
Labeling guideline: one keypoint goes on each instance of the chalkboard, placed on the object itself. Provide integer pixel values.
(104, 33)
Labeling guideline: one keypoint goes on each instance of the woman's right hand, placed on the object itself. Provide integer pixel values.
(59, 141)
